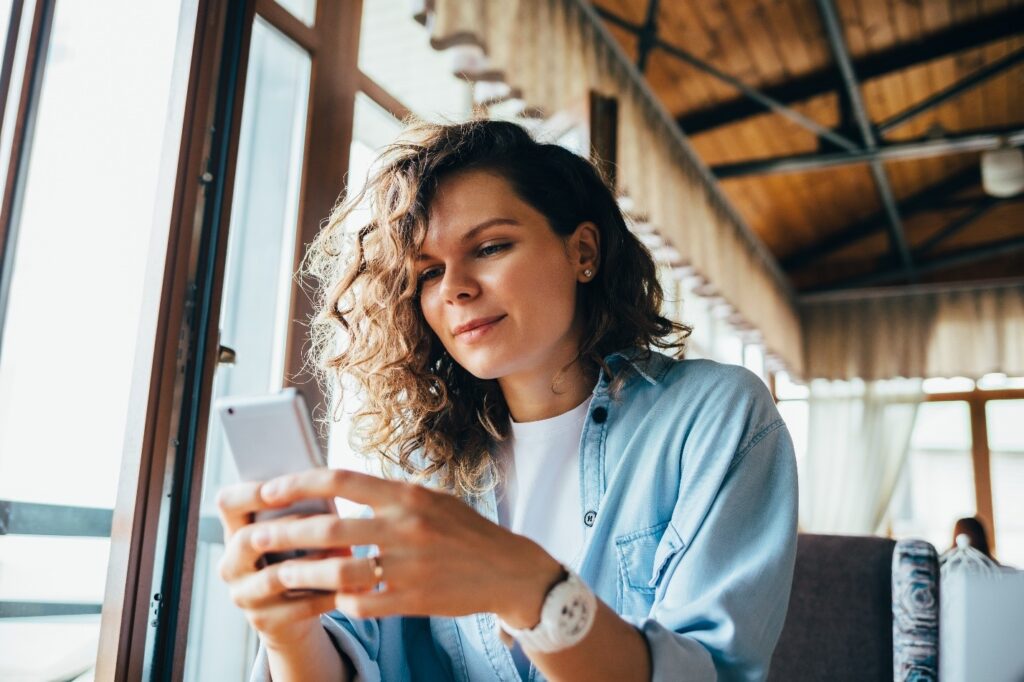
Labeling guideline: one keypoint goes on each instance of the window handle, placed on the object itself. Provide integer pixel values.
(225, 355)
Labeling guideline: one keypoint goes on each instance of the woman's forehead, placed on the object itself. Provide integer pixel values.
(471, 190)
(469, 199)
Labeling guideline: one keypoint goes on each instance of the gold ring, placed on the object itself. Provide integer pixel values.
(378, 570)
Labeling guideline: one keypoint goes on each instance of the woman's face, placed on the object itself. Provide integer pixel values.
(497, 285)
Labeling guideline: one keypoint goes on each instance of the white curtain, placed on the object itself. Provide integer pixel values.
(857, 445)
(941, 333)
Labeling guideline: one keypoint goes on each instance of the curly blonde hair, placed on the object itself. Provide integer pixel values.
(420, 410)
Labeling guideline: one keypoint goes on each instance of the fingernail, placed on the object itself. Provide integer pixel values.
(271, 490)
(287, 575)
(261, 538)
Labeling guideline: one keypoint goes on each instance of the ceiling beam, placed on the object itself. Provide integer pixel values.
(960, 87)
(958, 225)
(962, 143)
(946, 203)
(747, 91)
(648, 36)
(764, 100)
(718, 196)
(959, 258)
(897, 236)
(949, 41)
(921, 201)
(909, 290)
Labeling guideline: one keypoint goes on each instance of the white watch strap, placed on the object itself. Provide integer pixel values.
(566, 617)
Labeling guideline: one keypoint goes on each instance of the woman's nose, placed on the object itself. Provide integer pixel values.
(458, 285)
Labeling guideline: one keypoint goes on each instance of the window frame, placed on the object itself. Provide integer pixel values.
(146, 522)
(976, 400)
(24, 121)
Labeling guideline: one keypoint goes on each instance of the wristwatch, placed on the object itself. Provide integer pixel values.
(565, 618)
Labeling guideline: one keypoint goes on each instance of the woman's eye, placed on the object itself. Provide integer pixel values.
(492, 249)
(428, 274)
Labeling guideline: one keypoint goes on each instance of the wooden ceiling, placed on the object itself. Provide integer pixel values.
(829, 225)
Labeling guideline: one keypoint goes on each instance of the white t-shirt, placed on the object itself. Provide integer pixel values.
(541, 497)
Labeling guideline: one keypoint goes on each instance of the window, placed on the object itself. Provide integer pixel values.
(80, 253)
(1006, 448)
(254, 319)
(395, 52)
(966, 430)
(795, 411)
(931, 493)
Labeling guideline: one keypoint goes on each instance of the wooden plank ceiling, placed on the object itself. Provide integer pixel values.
(903, 52)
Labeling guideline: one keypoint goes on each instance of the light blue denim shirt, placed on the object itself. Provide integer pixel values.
(689, 492)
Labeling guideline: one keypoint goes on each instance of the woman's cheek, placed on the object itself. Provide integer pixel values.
(432, 314)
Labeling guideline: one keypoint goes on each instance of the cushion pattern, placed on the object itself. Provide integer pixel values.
(915, 612)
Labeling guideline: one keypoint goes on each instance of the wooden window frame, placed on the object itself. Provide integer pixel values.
(24, 122)
(143, 520)
(980, 456)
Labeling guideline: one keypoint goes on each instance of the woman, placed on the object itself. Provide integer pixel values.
(572, 505)
(977, 537)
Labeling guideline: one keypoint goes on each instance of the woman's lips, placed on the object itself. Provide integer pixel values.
(476, 333)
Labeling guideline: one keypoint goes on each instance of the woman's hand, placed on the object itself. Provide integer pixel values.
(280, 619)
(439, 556)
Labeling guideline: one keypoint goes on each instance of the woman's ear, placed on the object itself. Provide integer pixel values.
(585, 251)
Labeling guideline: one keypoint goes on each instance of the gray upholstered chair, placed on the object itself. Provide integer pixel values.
(862, 608)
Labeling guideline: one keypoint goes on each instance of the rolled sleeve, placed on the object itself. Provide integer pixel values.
(356, 640)
(722, 601)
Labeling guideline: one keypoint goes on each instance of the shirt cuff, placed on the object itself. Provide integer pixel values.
(674, 656)
(344, 642)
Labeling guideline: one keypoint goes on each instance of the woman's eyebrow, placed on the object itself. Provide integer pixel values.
(487, 223)
(472, 232)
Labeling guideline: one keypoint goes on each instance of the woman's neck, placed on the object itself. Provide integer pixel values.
(538, 395)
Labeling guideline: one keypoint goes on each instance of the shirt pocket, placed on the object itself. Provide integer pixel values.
(642, 557)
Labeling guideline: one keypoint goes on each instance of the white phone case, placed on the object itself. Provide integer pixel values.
(271, 435)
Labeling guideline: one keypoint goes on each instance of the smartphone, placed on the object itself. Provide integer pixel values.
(271, 435)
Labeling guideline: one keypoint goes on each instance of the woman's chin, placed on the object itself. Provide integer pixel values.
(484, 365)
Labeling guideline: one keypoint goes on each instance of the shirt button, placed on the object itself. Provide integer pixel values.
(589, 518)
(600, 415)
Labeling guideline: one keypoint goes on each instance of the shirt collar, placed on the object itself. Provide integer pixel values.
(649, 364)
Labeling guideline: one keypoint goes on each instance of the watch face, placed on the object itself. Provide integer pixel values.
(574, 616)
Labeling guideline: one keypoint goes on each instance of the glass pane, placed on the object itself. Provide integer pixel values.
(727, 346)
(1006, 445)
(395, 51)
(936, 486)
(106, 126)
(5, 16)
(254, 315)
(795, 413)
(303, 10)
(38, 569)
(753, 359)
(787, 389)
(942, 426)
(1005, 421)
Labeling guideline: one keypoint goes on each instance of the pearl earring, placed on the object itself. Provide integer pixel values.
(588, 272)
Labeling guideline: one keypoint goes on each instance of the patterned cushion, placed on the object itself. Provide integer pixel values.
(915, 612)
